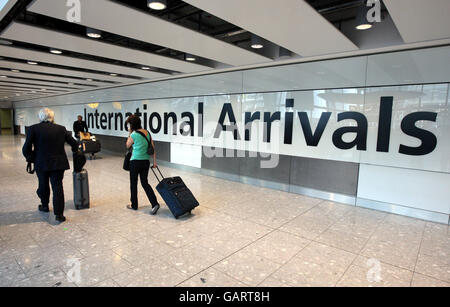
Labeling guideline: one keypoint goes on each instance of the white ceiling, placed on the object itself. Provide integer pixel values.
(420, 20)
(148, 28)
(11, 80)
(44, 77)
(46, 57)
(44, 37)
(292, 24)
(63, 72)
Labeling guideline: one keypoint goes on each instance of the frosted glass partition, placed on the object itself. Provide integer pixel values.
(339, 73)
(409, 67)
(224, 83)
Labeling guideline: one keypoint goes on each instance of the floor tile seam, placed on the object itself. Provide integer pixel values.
(232, 254)
(212, 267)
(418, 252)
(432, 277)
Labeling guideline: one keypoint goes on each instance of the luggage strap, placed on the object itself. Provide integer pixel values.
(153, 170)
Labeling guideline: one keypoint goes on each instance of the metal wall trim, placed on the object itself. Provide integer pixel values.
(405, 211)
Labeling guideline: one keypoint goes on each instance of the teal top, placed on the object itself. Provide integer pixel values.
(139, 147)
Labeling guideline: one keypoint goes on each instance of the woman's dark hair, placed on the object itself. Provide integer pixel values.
(135, 122)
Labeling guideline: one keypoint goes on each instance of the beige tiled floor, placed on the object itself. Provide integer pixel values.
(241, 235)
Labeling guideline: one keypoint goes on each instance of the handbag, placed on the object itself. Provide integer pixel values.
(126, 161)
(150, 149)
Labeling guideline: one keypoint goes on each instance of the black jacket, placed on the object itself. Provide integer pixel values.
(49, 153)
(80, 127)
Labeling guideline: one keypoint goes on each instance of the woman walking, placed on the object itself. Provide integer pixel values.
(139, 139)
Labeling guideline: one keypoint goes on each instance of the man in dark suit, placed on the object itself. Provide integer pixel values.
(50, 159)
(79, 126)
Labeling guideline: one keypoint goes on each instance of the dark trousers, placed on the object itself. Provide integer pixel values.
(55, 178)
(140, 168)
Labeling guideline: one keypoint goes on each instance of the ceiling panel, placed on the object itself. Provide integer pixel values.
(62, 72)
(39, 36)
(150, 29)
(21, 87)
(5, 9)
(292, 24)
(51, 78)
(420, 20)
(45, 57)
(13, 81)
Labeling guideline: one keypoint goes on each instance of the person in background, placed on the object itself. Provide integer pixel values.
(79, 126)
(140, 163)
(44, 146)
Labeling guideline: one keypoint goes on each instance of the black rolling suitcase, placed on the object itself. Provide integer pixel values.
(81, 190)
(176, 194)
(80, 182)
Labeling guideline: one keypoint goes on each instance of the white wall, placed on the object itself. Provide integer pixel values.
(418, 80)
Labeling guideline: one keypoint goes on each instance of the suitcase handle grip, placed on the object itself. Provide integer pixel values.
(153, 170)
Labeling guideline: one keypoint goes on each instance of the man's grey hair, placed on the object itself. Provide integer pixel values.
(46, 115)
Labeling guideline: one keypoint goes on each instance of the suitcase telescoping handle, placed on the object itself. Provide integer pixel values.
(153, 170)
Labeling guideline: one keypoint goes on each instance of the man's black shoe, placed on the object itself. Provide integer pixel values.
(155, 210)
(60, 218)
(131, 208)
(43, 208)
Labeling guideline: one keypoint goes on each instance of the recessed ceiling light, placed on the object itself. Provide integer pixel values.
(93, 33)
(32, 63)
(361, 19)
(114, 75)
(365, 26)
(256, 42)
(157, 4)
(15, 70)
(5, 42)
(3, 77)
(190, 57)
(145, 68)
(55, 51)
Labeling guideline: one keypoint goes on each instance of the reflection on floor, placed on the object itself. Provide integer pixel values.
(240, 236)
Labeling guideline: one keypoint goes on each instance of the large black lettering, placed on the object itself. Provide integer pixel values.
(428, 139)
(118, 116)
(138, 112)
(361, 128)
(96, 119)
(227, 110)
(313, 139)
(268, 120)
(90, 120)
(173, 117)
(249, 118)
(110, 117)
(158, 120)
(200, 119)
(384, 124)
(103, 121)
(145, 117)
(189, 123)
(289, 124)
